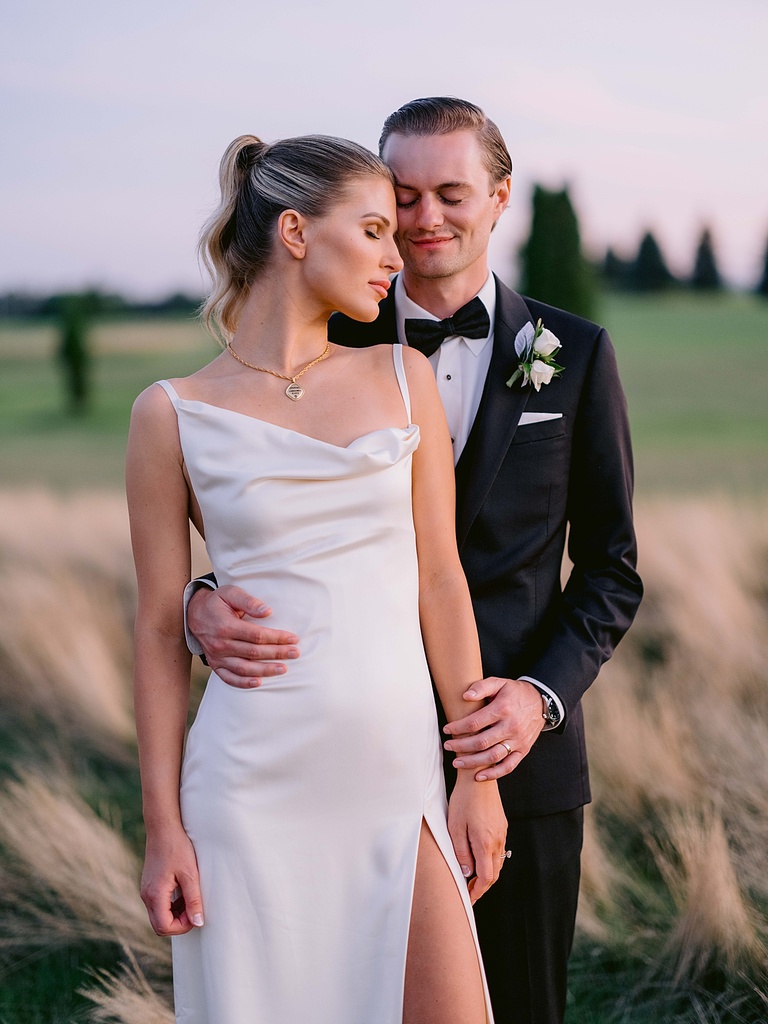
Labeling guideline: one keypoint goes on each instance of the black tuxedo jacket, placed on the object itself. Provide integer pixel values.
(519, 490)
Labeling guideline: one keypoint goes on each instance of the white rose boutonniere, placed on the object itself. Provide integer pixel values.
(536, 347)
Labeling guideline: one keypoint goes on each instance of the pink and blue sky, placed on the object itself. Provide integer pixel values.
(114, 117)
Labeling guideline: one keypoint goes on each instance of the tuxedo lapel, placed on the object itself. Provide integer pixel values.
(498, 415)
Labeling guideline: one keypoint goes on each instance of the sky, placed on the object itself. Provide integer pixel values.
(113, 118)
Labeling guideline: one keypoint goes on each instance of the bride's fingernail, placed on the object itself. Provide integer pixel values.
(471, 693)
(458, 764)
(466, 871)
(197, 920)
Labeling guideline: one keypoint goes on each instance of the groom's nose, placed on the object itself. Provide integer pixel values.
(429, 213)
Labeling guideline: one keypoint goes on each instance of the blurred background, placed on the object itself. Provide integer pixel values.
(640, 150)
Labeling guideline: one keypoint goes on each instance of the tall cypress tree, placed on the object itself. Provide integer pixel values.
(553, 267)
(614, 269)
(706, 276)
(649, 271)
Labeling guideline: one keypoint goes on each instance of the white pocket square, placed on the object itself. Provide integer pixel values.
(539, 417)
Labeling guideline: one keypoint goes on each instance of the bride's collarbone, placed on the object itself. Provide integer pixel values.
(343, 402)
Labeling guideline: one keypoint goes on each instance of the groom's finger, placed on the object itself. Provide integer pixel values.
(246, 631)
(479, 741)
(501, 768)
(485, 689)
(478, 720)
(247, 674)
(491, 763)
(262, 651)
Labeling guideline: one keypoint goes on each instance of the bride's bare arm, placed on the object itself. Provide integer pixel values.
(158, 502)
(476, 819)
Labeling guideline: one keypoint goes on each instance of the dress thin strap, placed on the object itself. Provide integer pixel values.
(397, 355)
(169, 390)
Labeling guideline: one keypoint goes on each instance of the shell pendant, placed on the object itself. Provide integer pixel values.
(294, 391)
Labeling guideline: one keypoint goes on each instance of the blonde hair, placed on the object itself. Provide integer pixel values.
(258, 182)
(441, 115)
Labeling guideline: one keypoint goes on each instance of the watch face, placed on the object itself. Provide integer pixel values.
(553, 715)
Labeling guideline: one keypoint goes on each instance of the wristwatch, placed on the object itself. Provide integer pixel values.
(549, 711)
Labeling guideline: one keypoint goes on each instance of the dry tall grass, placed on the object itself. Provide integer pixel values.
(675, 865)
(127, 997)
(678, 740)
(68, 875)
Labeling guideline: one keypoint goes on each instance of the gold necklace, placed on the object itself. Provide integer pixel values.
(294, 391)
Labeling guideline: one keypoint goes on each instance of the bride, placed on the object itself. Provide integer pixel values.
(298, 847)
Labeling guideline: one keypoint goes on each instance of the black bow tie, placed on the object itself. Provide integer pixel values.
(471, 321)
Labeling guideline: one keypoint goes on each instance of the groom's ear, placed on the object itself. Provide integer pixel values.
(501, 193)
(291, 231)
(503, 190)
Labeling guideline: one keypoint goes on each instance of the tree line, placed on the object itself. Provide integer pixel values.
(554, 269)
(19, 305)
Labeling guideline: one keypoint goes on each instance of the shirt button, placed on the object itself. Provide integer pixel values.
(447, 376)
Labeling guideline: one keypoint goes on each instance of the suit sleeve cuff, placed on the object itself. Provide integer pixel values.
(550, 693)
(189, 590)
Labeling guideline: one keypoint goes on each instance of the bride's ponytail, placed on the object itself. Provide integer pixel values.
(258, 181)
(221, 258)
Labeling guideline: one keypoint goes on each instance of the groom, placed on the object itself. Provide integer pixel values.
(531, 464)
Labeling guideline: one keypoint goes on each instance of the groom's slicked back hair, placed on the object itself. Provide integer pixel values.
(441, 115)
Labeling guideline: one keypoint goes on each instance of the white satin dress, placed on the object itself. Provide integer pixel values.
(304, 797)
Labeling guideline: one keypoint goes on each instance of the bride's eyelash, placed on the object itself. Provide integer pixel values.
(372, 234)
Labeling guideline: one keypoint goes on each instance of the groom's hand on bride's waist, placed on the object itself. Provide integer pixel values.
(240, 649)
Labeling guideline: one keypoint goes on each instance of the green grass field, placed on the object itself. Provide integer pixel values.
(695, 369)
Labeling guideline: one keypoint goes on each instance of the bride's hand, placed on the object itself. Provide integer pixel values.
(170, 884)
(478, 829)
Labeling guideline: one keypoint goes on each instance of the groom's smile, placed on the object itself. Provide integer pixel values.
(430, 244)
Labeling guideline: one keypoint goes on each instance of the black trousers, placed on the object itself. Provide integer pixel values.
(526, 920)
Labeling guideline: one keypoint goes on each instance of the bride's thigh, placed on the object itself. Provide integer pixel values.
(442, 974)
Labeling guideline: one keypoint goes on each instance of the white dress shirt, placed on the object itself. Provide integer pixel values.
(460, 364)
